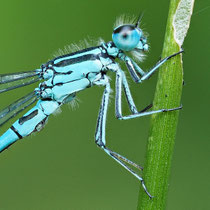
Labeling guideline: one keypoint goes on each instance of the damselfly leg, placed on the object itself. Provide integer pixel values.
(120, 78)
(100, 134)
(133, 67)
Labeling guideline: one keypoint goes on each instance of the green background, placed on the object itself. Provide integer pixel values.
(61, 167)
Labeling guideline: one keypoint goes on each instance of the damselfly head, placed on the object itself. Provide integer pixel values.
(129, 37)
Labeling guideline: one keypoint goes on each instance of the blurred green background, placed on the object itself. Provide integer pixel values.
(61, 167)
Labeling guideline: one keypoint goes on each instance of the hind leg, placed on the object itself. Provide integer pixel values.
(100, 138)
(34, 120)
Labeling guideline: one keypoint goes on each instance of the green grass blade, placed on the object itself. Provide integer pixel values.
(168, 95)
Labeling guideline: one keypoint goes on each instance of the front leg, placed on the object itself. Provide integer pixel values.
(133, 67)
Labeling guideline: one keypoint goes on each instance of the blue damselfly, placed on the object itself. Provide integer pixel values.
(64, 76)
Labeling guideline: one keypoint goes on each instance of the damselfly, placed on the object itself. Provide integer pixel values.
(68, 74)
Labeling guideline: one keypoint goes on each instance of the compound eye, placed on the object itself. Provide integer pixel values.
(126, 37)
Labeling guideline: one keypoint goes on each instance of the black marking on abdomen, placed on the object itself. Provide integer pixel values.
(28, 117)
(16, 132)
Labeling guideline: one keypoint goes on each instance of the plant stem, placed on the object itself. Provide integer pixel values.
(163, 126)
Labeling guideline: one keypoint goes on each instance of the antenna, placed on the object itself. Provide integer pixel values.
(139, 19)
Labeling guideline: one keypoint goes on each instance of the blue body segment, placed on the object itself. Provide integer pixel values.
(7, 139)
(34, 120)
(68, 74)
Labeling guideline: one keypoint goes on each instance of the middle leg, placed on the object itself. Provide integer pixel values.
(129, 97)
(120, 78)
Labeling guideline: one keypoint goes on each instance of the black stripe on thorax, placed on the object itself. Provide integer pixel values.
(77, 52)
(78, 59)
